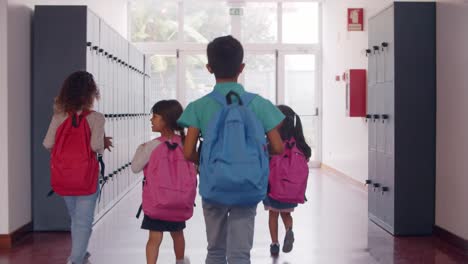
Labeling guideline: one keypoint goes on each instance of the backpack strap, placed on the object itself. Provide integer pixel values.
(218, 97)
(290, 143)
(85, 113)
(74, 116)
(176, 142)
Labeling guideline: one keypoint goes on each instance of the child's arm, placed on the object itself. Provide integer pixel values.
(49, 139)
(276, 144)
(96, 123)
(190, 144)
(143, 155)
(108, 143)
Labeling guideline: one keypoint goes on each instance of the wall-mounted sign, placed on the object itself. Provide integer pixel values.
(355, 19)
(236, 11)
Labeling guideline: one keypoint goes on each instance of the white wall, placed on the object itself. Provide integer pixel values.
(344, 139)
(3, 120)
(452, 109)
(17, 175)
(19, 127)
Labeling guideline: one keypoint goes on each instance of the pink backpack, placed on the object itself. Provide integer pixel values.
(288, 174)
(169, 187)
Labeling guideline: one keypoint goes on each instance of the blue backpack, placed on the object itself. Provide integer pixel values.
(234, 164)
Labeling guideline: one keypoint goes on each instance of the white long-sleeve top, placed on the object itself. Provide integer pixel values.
(143, 155)
(96, 123)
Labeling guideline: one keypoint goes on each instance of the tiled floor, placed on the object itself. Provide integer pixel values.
(331, 228)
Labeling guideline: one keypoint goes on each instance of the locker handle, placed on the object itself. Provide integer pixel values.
(368, 51)
(101, 50)
(368, 116)
(384, 117)
(368, 182)
(376, 48)
(384, 45)
(88, 44)
(376, 117)
(384, 189)
(376, 186)
(95, 47)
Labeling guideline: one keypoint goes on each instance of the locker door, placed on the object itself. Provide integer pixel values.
(372, 59)
(380, 146)
(371, 102)
(114, 112)
(90, 42)
(388, 38)
(380, 36)
(388, 184)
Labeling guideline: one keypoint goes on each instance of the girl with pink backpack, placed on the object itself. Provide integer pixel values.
(287, 181)
(169, 185)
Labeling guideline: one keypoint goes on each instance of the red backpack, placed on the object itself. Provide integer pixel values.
(74, 166)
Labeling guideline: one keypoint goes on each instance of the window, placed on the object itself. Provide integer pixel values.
(260, 23)
(300, 23)
(164, 76)
(153, 20)
(203, 21)
(260, 75)
(281, 42)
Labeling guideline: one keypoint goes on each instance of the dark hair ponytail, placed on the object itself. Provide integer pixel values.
(292, 127)
(170, 111)
(182, 134)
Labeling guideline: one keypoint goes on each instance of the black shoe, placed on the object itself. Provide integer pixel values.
(288, 241)
(274, 249)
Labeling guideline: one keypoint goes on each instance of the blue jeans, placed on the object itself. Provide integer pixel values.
(230, 231)
(81, 211)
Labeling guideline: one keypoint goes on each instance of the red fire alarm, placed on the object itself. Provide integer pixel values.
(355, 19)
(356, 92)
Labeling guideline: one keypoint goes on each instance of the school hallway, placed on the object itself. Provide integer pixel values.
(331, 228)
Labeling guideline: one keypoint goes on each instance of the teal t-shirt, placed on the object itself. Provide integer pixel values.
(199, 113)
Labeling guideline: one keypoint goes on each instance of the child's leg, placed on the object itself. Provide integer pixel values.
(152, 246)
(273, 224)
(179, 244)
(287, 220)
(241, 223)
(81, 210)
(216, 232)
(289, 236)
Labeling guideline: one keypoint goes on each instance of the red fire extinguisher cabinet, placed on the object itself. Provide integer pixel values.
(356, 92)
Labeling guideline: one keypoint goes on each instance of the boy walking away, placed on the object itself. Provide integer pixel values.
(234, 157)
